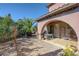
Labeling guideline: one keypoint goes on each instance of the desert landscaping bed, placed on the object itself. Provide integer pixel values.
(28, 47)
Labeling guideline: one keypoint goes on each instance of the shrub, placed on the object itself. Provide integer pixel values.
(6, 28)
(69, 51)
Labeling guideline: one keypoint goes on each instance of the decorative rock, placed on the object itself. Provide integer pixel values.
(77, 53)
(60, 53)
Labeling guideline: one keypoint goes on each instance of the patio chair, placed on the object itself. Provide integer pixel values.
(48, 36)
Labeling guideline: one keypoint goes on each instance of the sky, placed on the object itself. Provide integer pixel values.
(21, 10)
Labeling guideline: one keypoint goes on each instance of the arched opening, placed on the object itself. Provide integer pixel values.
(60, 30)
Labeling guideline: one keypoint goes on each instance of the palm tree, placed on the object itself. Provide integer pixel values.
(25, 27)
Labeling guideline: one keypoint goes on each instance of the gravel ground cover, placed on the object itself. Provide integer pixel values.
(29, 47)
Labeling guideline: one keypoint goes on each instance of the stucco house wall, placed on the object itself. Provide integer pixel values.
(70, 17)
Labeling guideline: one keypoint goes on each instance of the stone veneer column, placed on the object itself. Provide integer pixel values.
(56, 30)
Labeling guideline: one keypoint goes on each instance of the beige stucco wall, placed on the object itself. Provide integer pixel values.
(70, 17)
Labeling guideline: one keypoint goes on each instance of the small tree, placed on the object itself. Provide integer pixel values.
(5, 28)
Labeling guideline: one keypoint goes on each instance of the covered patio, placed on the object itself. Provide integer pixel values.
(59, 33)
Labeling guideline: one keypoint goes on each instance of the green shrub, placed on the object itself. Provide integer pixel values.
(6, 28)
(69, 51)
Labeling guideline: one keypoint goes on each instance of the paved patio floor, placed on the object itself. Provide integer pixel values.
(61, 42)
